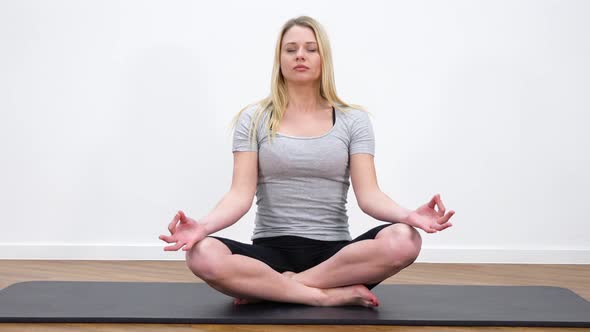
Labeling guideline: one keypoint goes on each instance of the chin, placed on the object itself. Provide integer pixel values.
(301, 80)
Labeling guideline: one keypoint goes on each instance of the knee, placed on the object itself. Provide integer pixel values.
(402, 245)
(202, 260)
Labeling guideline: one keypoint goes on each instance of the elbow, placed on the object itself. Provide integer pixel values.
(363, 205)
(246, 206)
(365, 200)
(244, 199)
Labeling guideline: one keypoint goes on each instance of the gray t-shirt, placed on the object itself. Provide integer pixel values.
(303, 182)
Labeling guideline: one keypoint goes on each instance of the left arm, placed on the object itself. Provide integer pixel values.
(370, 198)
(378, 205)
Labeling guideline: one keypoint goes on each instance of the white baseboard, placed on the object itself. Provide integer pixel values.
(155, 252)
(504, 256)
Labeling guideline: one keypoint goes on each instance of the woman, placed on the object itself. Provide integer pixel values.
(295, 150)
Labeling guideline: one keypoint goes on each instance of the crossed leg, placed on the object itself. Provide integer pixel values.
(337, 281)
(367, 262)
(250, 279)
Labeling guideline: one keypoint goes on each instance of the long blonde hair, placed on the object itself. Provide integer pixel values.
(276, 103)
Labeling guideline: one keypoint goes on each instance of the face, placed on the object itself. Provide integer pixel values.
(300, 57)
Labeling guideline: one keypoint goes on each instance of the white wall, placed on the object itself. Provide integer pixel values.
(114, 115)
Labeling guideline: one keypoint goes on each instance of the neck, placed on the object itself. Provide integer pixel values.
(304, 98)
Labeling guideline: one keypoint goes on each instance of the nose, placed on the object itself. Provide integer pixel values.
(300, 53)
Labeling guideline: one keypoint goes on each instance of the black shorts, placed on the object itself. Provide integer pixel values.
(294, 253)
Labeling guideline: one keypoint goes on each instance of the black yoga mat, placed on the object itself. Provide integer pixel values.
(197, 303)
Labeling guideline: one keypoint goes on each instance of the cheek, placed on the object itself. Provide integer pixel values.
(285, 61)
(318, 62)
(282, 65)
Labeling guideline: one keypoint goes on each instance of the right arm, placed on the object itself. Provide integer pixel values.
(238, 200)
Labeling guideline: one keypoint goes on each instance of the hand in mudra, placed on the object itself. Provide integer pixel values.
(184, 231)
(430, 220)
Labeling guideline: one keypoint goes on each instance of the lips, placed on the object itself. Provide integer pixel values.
(301, 67)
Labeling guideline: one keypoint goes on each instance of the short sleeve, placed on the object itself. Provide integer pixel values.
(362, 136)
(241, 140)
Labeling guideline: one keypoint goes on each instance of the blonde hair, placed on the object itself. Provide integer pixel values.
(276, 103)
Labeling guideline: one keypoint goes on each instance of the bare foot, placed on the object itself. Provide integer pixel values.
(249, 301)
(350, 295)
(246, 301)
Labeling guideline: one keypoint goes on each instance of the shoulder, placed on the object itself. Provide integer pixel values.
(251, 112)
(351, 116)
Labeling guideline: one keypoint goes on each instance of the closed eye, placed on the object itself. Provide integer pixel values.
(310, 50)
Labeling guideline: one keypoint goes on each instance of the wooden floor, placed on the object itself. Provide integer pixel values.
(574, 277)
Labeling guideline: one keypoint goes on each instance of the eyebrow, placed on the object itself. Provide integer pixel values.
(309, 42)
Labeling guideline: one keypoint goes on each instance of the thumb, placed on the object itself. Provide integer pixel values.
(189, 245)
(183, 217)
